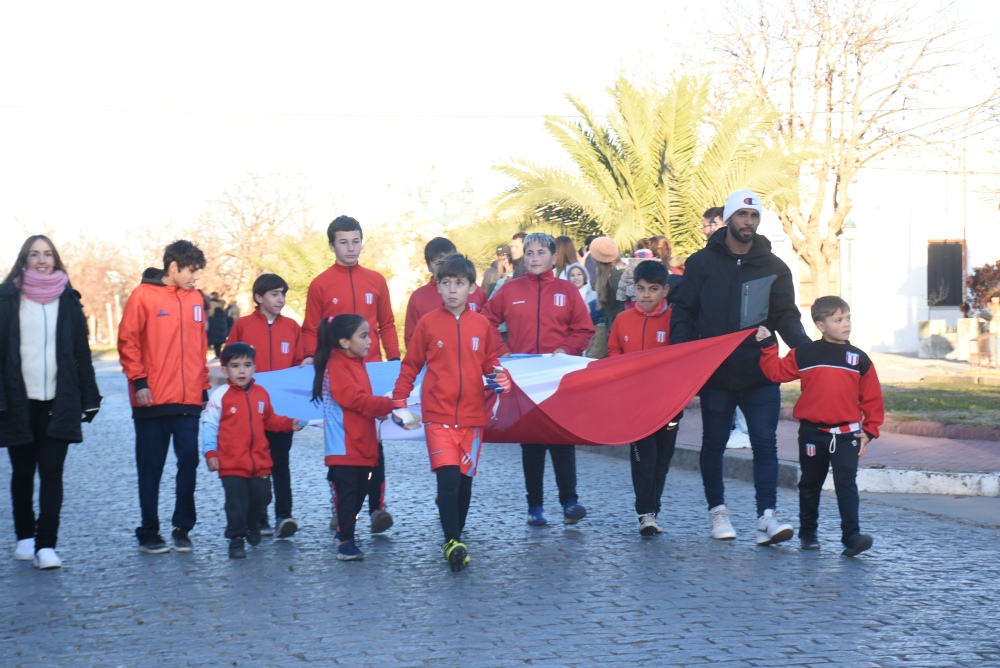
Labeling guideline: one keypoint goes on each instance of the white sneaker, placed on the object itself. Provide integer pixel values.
(47, 558)
(718, 519)
(771, 531)
(25, 550)
(648, 525)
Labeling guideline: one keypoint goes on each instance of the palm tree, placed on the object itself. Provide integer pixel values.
(658, 162)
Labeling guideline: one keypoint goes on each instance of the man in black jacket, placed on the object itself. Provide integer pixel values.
(737, 283)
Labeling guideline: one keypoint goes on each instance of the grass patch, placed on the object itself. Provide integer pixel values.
(947, 403)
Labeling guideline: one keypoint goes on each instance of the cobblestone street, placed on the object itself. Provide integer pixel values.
(589, 594)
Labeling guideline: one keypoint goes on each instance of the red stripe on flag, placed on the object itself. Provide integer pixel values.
(614, 401)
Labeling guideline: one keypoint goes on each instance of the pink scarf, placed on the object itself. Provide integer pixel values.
(42, 288)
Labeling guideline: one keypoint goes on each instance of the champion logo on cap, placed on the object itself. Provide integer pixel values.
(749, 200)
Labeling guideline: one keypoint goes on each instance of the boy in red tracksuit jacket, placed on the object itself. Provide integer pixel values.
(277, 343)
(456, 344)
(347, 287)
(544, 314)
(162, 346)
(233, 427)
(427, 298)
(839, 413)
(643, 327)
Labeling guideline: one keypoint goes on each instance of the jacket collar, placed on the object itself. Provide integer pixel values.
(243, 389)
(543, 278)
(652, 314)
(760, 247)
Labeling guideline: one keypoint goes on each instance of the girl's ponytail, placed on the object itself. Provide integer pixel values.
(331, 331)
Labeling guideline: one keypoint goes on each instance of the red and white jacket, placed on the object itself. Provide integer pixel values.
(357, 290)
(349, 412)
(278, 344)
(162, 347)
(426, 298)
(232, 429)
(839, 384)
(634, 329)
(543, 313)
(458, 352)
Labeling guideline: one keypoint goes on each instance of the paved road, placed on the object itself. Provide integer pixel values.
(556, 596)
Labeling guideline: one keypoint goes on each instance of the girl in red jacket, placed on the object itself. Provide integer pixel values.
(349, 411)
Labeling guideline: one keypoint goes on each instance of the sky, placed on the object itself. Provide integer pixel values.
(120, 118)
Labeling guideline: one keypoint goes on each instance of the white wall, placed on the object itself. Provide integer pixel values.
(897, 212)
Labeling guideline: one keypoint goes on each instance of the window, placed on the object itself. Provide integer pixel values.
(945, 273)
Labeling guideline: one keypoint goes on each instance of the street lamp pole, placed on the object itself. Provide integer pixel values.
(848, 232)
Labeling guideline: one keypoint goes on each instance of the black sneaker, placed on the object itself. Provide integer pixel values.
(287, 526)
(237, 550)
(154, 545)
(253, 536)
(181, 541)
(808, 541)
(856, 545)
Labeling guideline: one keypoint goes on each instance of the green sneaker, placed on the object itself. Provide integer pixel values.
(457, 555)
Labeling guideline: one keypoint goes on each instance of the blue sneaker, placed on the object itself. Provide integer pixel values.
(349, 551)
(573, 512)
(536, 516)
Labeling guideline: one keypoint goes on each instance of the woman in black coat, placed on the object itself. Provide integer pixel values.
(47, 388)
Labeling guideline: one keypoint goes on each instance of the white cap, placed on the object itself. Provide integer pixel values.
(741, 199)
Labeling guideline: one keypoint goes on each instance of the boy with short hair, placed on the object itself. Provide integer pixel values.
(347, 287)
(426, 298)
(644, 327)
(839, 413)
(234, 428)
(277, 343)
(457, 346)
(162, 346)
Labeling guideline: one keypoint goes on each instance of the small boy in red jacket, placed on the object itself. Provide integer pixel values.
(277, 342)
(839, 413)
(643, 327)
(427, 298)
(457, 346)
(233, 428)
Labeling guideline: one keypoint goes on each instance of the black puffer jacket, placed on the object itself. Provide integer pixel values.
(76, 387)
(723, 293)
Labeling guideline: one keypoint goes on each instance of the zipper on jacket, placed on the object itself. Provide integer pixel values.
(253, 462)
(270, 349)
(45, 353)
(643, 337)
(350, 275)
(458, 324)
(180, 334)
(746, 301)
(538, 319)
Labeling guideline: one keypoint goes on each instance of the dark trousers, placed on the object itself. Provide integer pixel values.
(280, 443)
(454, 495)
(152, 441)
(376, 484)
(650, 458)
(761, 407)
(563, 463)
(46, 455)
(217, 347)
(348, 484)
(814, 462)
(246, 499)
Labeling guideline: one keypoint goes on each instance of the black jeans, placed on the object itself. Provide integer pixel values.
(280, 443)
(348, 484)
(814, 462)
(246, 499)
(47, 455)
(152, 441)
(376, 484)
(454, 495)
(650, 458)
(563, 463)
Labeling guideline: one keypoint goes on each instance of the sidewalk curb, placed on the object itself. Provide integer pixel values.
(739, 466)
(956, 432)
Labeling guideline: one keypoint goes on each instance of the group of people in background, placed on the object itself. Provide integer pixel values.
(540, 296)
